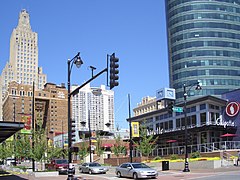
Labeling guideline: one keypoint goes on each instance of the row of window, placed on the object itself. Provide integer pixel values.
(207, 72)
(177, 2)
(209, 34)
(196, 44)
(214, 63)
(204, 6)
(196, 16)
(206, 92)
(205, 25)
(22, 93)
(209, 82)
(197, 53)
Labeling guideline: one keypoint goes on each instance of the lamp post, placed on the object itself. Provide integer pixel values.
(130, 129)
(185, 94)
(14, 136)
(76, 60)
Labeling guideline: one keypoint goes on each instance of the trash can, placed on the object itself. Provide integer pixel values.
(165, 165)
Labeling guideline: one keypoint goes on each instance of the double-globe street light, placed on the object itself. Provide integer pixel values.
(78, 62)
(185, 94)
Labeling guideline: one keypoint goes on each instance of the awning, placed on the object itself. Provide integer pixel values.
(171, 141)
(107, 145)
(229, 135)
(7, 129)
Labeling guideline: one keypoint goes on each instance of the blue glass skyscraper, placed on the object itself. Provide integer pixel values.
(204, 45)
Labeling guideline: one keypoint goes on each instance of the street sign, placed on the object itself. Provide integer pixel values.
(177, 109)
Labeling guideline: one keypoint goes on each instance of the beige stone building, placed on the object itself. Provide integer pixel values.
(50, 106)
(148, 104)
(22, 66)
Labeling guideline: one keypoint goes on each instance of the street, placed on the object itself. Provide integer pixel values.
(225, 173)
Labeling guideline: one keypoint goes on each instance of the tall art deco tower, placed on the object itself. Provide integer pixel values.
(22, 66)
(204, 45)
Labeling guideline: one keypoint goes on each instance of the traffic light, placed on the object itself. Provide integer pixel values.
(170, 106)
(114, 71)
(73, 131)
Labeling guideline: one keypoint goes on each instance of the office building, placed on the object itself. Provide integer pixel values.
(203, 44)
(22, 66)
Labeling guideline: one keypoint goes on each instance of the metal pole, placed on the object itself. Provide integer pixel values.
(89, 131)
(69, 122)
(33, 124)
(130, 129)
(14, 137)
(186, 168)
(62, 140)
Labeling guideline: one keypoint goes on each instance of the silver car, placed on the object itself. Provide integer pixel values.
(135, 171)
(92, 168)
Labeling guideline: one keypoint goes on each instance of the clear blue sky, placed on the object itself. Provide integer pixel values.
(134, 29)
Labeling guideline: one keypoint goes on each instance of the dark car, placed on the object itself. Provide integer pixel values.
(60, 165)
(93, 168)
(135, 171)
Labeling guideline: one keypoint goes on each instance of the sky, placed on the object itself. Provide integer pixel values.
(135, 30)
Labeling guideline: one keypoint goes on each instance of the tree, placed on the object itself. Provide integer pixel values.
(118, 148)
(83, 149)
(40, 141)
(99, 149)
(146, 143)
(23, 146)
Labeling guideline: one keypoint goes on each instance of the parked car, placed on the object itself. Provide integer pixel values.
(135, 171)
(93, 168)
(10, 161)
(60, 165)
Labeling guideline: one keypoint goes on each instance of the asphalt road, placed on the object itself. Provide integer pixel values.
(232, 173)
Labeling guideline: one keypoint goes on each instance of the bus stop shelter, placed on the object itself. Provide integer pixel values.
(8, 128)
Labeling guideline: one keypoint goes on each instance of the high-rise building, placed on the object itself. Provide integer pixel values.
(94, 105)
(204, 43)
(22, 66)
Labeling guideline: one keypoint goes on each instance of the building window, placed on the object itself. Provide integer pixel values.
(202, 106)
(203, 118)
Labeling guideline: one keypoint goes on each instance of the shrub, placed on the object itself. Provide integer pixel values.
(174, 157)
(157, 158)
(196, 155)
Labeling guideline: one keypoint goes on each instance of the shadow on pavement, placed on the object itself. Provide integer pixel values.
(9, 176)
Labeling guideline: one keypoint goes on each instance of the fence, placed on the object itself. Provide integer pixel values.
(202, 148)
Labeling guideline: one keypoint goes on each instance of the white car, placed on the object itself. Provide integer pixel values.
(10, 161)
(135, 171)
(93, 168)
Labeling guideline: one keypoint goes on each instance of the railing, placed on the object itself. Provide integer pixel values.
(202, 148)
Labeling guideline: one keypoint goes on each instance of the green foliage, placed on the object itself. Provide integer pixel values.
(99, 149)
(83, 149)
(174, 157)
(157, 158)
(23, 146)
(146, 143)
(196, 155)
(118, 148)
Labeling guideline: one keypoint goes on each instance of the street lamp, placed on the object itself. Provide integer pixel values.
(78, 62)
(185, 94)
(130, 129)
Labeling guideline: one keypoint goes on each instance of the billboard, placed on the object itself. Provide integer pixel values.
(165, 93)
(27, 120)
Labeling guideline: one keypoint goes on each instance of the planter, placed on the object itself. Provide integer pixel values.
(192, 165)
(46, 174)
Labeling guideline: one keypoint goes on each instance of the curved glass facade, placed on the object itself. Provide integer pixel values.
(204, 45)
